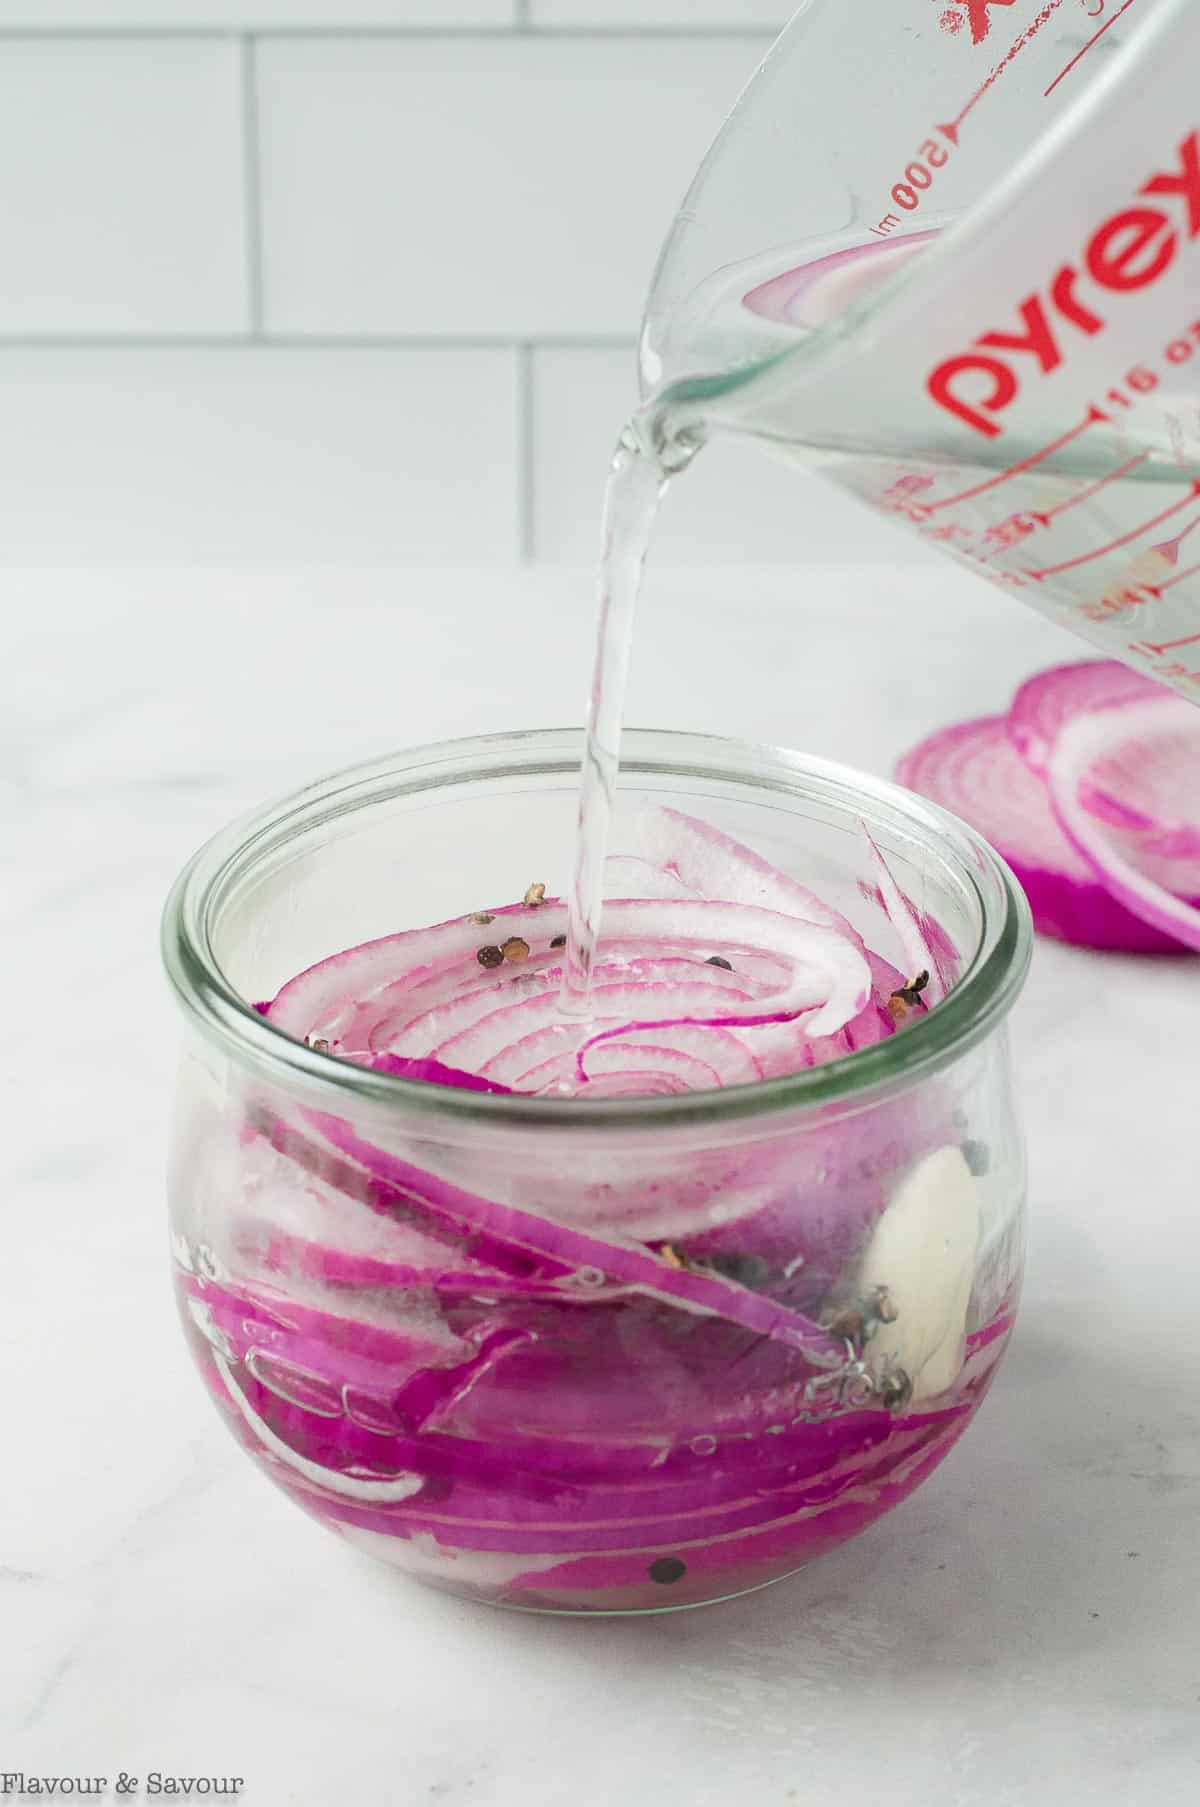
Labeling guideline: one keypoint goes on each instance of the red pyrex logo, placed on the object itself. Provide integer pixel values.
(1129, 251)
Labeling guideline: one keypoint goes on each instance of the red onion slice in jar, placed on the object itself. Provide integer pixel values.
(452, 1208)
(428, 1071)
(717, 867)
(685, 979)
(627, 875)
(830, 981)
(907, 924)
(601, 1375)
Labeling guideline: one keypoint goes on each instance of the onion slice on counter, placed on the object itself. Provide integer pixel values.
(975, 771)
(1046, 702)
(1090, 788)
(1151, 749)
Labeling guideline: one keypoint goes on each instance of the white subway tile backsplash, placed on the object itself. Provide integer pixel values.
(121, 196)
(736, 505)
(464, 191)
(247, 15)
(256, 456)
(520, 186)
(736, 15)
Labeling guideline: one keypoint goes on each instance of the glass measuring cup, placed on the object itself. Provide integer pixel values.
(949, 254)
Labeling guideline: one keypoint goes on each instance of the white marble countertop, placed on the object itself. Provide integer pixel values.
(1025, 1630)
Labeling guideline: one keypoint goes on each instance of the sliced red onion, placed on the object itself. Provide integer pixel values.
(1047, 702)
(692, 991)
(681, 962)
(625, 875)
(830, 983)
(452, 1208)
(738, 1477)
(545, 1375)
(617, 992)
(1152, 749)
(385, 1489)
(428, 1071)
(907, 924)
(336, 984)
(527, 1415)
(976, 771)
(1145, 790)
(717, 867)
(523, 1243)
(625, 1068)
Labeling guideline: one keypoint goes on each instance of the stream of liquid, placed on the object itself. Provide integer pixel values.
(637, 482)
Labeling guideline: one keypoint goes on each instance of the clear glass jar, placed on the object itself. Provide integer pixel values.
(369, 1270)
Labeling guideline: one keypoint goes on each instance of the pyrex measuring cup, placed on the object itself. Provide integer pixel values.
(949, 250)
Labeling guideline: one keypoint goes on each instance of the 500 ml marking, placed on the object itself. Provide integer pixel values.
(918, 177)
(932, 155)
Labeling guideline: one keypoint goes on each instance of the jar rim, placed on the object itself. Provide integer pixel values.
(981, 998)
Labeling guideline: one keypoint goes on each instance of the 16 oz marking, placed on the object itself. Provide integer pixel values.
(1143, 381)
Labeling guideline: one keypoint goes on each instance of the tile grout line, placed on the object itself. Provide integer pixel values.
(526, 452)
(35, 34)
(251, 183)
(274, 341)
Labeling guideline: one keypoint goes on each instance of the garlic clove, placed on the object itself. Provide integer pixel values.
(923, 1252)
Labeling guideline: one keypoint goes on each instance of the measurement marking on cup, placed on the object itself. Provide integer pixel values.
(1169, 549)
(1086, 558)
(1179, 578)
(1085, 495)
(1144, 583)
(1168, 646)
(1093, 416)
(931, 156)
(1175, 671)
(1078, 58)
(919, 176)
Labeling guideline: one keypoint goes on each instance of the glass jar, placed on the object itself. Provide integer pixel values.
(616, 1355)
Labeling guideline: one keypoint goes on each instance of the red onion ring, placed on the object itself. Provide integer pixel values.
(1102, 833)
